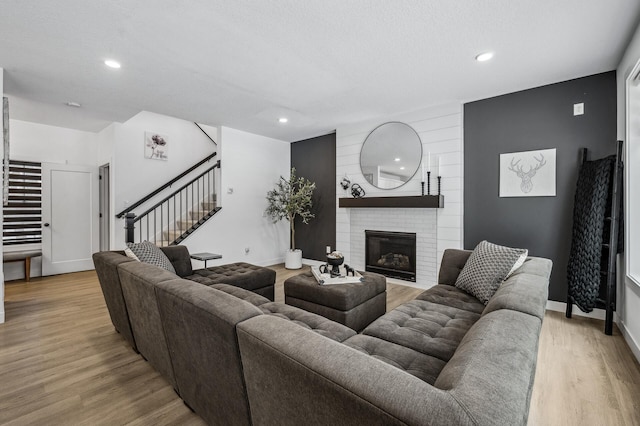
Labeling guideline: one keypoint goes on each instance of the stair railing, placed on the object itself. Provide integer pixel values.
(166, 185)
(178, 215)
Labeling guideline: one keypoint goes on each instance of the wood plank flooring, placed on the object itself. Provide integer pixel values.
(62, 363)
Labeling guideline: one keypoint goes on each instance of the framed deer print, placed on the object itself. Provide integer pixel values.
(528, 174)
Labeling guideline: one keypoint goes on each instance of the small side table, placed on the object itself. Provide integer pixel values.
(205, 256)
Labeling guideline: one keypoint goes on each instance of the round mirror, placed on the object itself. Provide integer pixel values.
(390, 155)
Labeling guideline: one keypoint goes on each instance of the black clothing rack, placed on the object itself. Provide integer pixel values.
(611, 238)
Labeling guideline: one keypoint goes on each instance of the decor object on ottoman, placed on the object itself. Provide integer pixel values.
(355, 305)
(346, 275)
(488, 266)
(291, 198)
(335, 259)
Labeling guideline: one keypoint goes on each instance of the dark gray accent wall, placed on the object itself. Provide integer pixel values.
(539, 118)
(315, 159)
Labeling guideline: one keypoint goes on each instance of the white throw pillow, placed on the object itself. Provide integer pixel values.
(130, 254)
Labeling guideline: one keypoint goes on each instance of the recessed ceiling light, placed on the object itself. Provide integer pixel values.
(112, 64)
(402, 168)
(283, 120)
(396, 159)
(73, 104)
(484, 56)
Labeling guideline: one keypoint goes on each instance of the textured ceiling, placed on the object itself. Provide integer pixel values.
(325, 63)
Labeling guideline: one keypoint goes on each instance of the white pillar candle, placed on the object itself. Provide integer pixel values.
(422, 172)
(428, 163)
(438, 165)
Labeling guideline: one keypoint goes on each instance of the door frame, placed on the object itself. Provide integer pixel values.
(86, 263)
(104, 207)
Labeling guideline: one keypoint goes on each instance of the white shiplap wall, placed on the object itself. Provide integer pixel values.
(440, 129)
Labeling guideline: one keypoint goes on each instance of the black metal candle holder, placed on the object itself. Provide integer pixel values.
(428, 184)
(422, 185)
(439, 178)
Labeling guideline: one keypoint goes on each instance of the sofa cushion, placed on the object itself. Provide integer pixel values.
(138, 281)
(491, 373)
(149, 253)
(453, 261)
(308, 320)
(200, 327)
(422, 366)
(429, 328)
(106, 263)
(524, 291)
(487, 267)
(179, 258)
(240, 293)
(449, 295)
(241, 274)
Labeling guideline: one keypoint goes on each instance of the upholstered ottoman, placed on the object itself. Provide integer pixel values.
(258, 279)
(355, 305)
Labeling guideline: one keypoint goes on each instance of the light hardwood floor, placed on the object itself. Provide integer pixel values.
(62, 363)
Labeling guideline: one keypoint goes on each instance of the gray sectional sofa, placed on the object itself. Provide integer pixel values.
(442, 359)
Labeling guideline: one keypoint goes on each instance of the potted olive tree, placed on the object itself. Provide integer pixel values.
(288, 200)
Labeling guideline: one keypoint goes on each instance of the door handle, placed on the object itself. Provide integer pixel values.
(46, 225)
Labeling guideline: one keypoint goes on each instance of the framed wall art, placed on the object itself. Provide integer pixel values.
(528, 174)
(156, 146)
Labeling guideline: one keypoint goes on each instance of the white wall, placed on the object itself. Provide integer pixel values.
(440, 129)
(251, 166)
(51, 144)
(133, 175)
(628, 307)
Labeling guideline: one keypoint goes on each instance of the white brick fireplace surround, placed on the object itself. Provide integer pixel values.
(440, 130)
(421, 221)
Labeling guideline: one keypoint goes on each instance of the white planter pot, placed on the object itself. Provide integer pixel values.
(293, 259)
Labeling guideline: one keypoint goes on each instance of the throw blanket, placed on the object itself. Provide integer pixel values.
(590, 206)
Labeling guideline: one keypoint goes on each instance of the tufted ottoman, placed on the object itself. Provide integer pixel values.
(355, 305)
(257, 279)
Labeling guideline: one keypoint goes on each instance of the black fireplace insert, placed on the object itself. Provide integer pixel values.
(392, 254)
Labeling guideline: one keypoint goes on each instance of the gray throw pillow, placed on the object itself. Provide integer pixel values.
(487, 267)
(150, 253)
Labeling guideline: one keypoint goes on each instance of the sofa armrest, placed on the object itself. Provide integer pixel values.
(294, 376)
(180, 259)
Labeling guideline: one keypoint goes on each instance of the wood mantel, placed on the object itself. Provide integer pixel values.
(417, 201)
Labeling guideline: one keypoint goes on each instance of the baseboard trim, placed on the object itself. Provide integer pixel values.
(552, 305)
(269, 262)
(633, 345)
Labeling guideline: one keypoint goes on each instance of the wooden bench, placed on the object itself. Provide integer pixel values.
(19, 256)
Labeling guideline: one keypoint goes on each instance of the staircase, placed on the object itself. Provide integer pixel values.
(179, 214)
(185, 226)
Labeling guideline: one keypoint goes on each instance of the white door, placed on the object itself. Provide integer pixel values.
(69, 217)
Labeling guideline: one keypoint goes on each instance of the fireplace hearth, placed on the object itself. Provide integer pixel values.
(392, 254)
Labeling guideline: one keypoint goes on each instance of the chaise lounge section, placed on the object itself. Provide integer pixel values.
(107, 264)
(442, 359)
